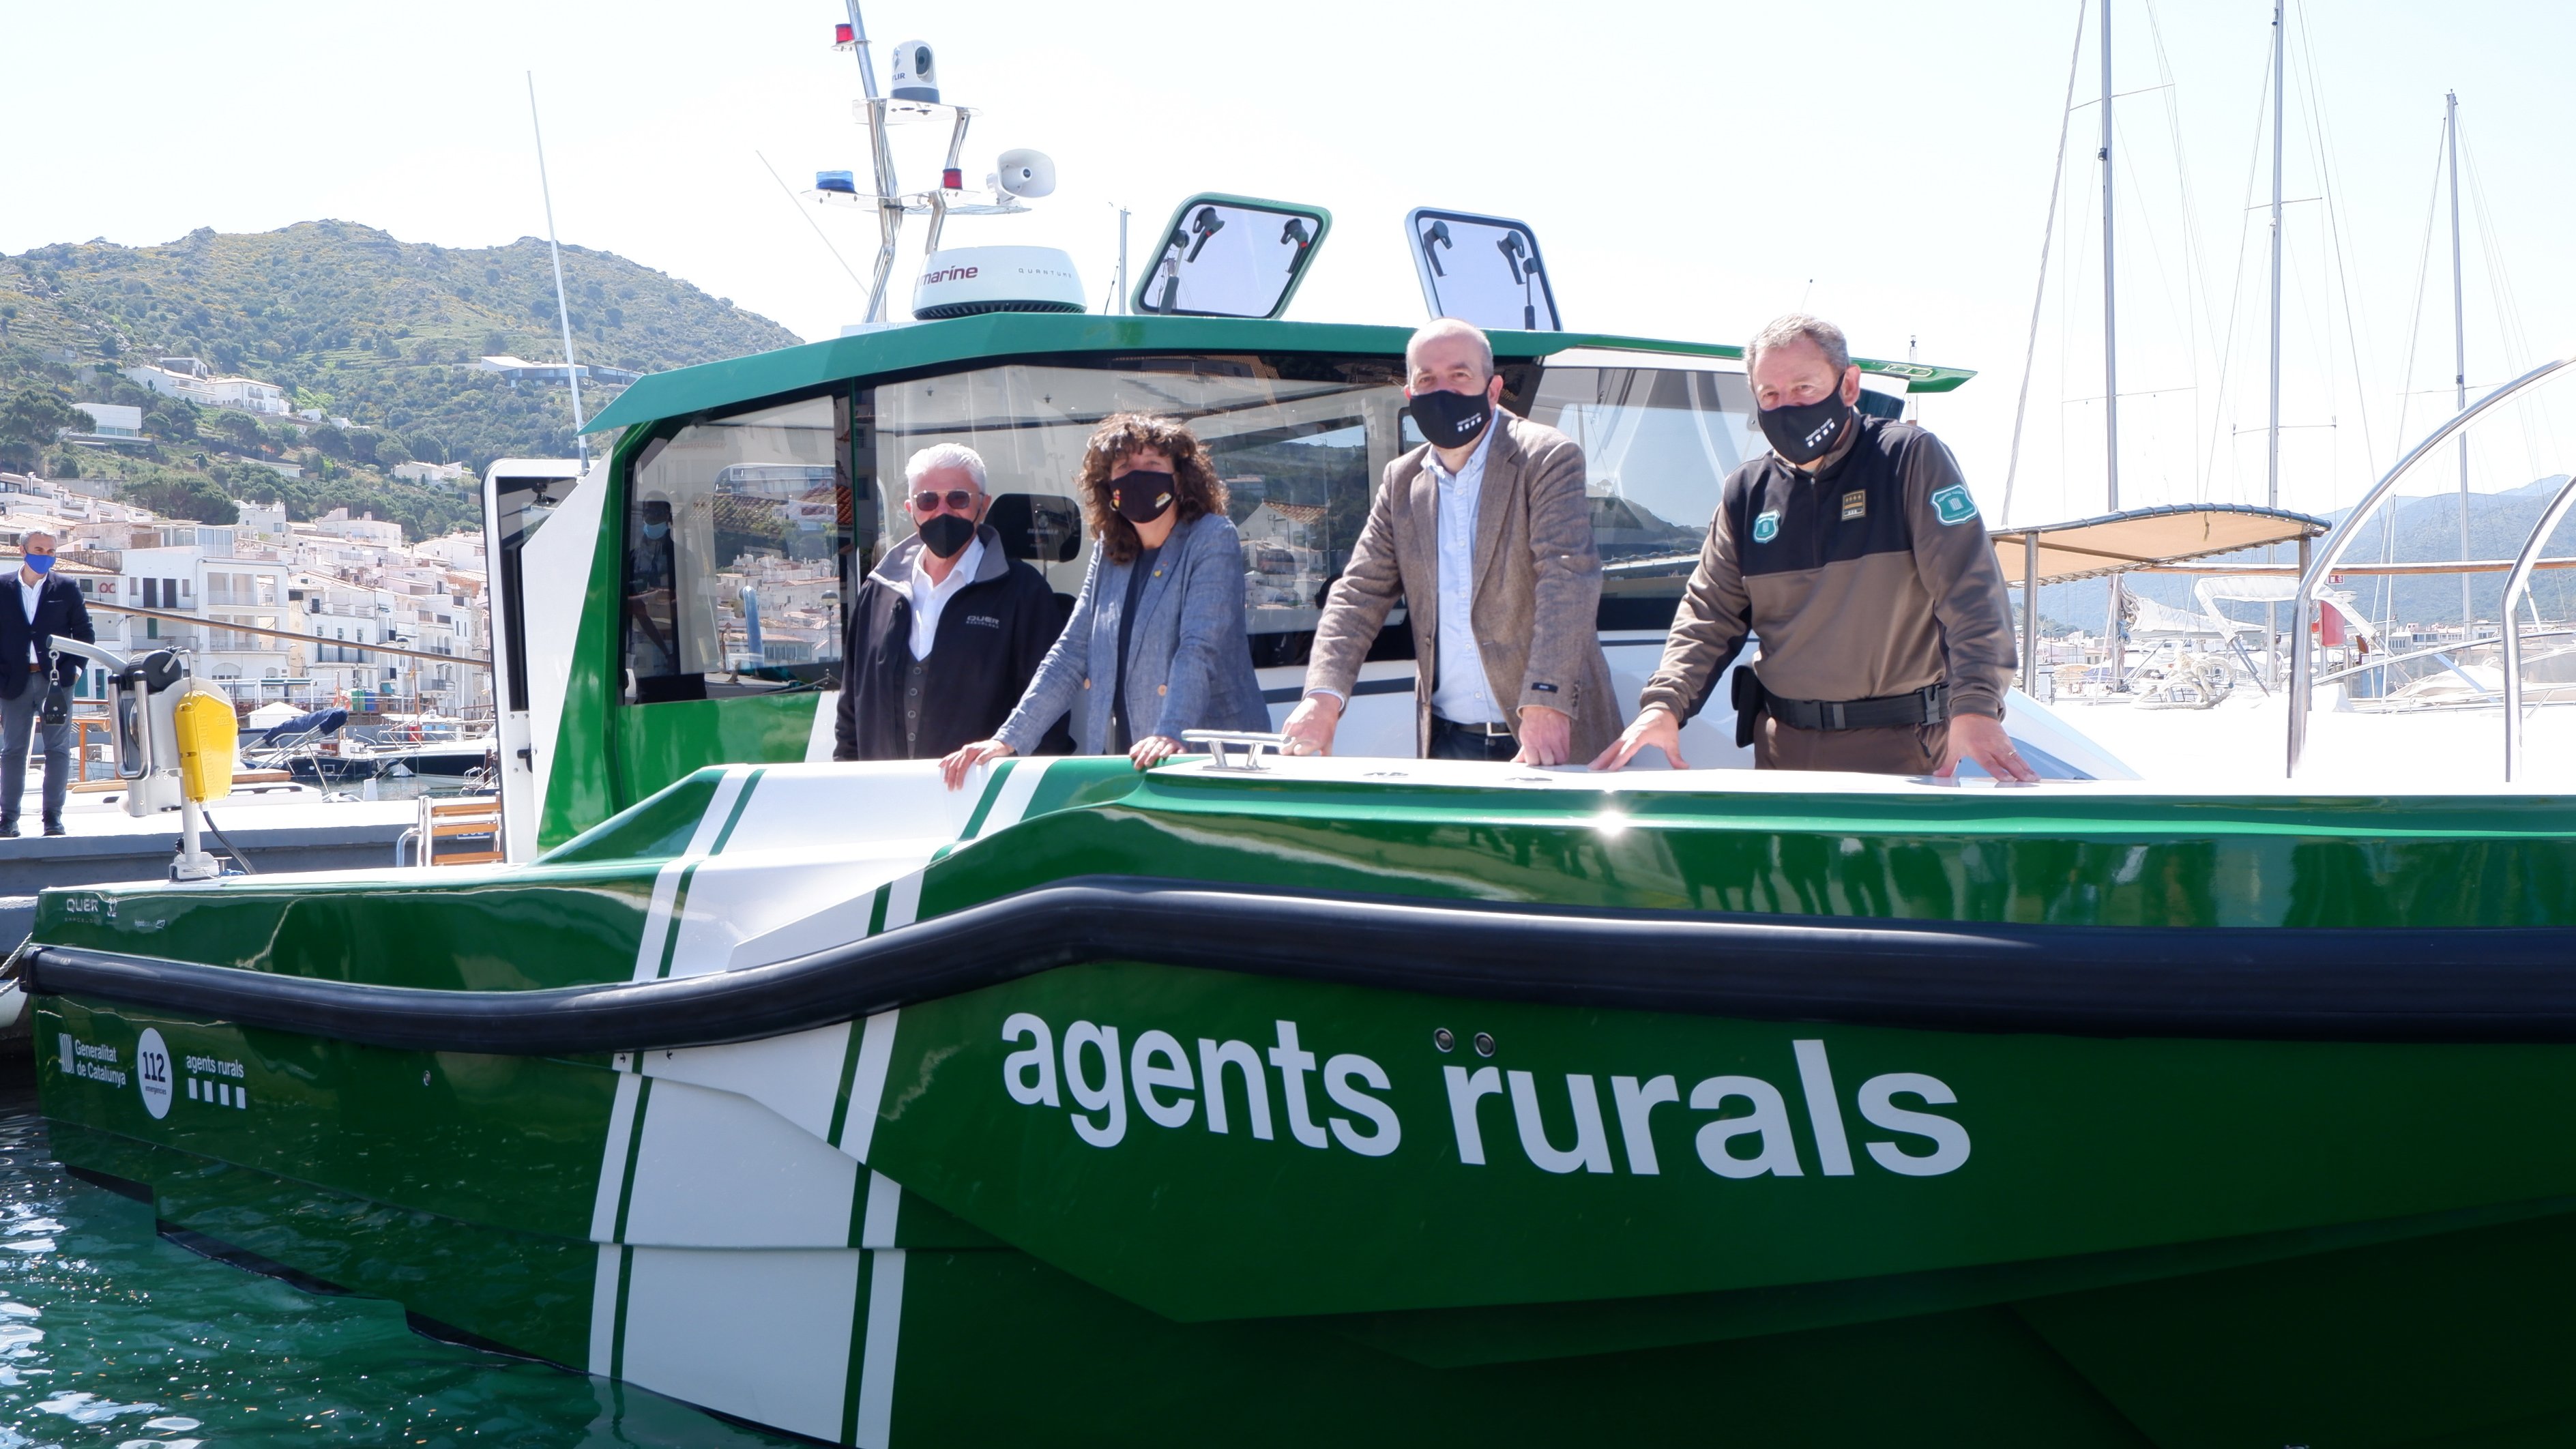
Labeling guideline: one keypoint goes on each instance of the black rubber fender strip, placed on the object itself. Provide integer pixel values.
(2485, 984)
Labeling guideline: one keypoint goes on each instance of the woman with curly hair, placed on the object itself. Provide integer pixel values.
(1156, 642)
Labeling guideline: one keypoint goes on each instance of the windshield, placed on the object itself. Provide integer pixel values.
(1657, 446)
(734, 553)
(745, 532)
(1296, 440)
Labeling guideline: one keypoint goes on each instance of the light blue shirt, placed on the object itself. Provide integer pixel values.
(1462, 694)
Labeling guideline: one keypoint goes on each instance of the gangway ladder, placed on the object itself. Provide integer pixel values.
(476, 818)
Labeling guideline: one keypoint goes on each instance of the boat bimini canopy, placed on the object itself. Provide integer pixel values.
(2139, 540)
(2144, 538)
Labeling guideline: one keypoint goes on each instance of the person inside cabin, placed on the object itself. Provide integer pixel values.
(1156, 642)
(39, 608)
(650, 597)
(947, 631)
(1485, 533)
(1854, 552)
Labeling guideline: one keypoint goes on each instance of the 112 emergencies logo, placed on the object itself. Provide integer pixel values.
(1741, 1125)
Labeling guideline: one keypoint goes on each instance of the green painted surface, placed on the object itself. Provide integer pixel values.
(512, 1142)
(658, 744)
(1000, 336)
(529, 1291)
(2066, 857)
(580, 786)
(2071, 1147)
(657, 828)
(475, 928)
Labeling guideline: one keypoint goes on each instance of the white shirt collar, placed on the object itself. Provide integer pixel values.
(929, 599)
(1475, 465)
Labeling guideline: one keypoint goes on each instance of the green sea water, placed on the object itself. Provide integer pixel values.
(111, 1336)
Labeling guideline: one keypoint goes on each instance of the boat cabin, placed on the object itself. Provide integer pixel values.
(698, 619)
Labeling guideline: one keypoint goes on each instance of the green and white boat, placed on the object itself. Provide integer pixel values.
(1350, 1100)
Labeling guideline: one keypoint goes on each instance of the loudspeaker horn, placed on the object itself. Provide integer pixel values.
(1025, 173)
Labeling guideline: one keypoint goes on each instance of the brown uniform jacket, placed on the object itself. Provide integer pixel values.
(1869, 577)
(1538, 586)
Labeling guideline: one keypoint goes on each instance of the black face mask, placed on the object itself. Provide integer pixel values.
(1451, 419)
(944, 534)
(1804, 432)
(1142, 496)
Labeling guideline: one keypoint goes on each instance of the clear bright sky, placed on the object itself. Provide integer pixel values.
(1691, 169)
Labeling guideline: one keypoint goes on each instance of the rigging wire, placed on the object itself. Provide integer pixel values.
(2195, 254)
(2039, 292)
(2509, 312)
(2224, 426)
(809, 221)
(2338, 221)
(2406, 387)
(2145, 224)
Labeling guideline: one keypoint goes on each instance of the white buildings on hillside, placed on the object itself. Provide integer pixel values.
(436, 475)
(112, 420)
(338, 588)
(186, 377)
(519, 370)
(368, 530)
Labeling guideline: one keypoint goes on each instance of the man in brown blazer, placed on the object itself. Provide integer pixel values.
(1485, 533)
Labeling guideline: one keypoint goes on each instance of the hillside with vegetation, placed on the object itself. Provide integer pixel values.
(351, 322)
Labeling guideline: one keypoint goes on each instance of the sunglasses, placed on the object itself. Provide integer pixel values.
(959, 500)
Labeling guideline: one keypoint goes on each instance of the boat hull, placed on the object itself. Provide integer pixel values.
(1011, 1206)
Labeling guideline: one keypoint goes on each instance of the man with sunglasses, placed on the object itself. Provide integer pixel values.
(946, 632)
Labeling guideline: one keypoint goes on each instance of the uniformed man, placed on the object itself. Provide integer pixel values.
(1855, 553)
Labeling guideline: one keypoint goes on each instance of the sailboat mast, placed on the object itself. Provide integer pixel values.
(2110, 294)
(2459, 339)
(2280, 54)
(2110, 361)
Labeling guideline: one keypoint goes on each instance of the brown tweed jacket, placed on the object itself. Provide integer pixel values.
(1537, 590)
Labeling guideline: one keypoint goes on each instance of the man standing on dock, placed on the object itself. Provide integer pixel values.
(39, 607)
(1855, 553)
(1485, 533)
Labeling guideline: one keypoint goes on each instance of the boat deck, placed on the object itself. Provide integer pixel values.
(281, 829)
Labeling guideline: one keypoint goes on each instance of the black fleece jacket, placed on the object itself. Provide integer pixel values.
(992, 635)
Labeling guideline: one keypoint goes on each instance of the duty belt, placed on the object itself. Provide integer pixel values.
(1928, 705)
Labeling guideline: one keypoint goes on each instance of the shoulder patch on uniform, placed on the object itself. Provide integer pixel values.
(1953, 505)
(1766, 527)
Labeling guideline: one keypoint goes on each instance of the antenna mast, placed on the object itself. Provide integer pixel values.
(881, 156)
(563, 309)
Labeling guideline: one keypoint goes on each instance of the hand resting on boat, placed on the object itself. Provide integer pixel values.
(1981, 737)
(1654, 725)
(954, 765)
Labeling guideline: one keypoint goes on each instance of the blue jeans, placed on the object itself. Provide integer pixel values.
(18, 722)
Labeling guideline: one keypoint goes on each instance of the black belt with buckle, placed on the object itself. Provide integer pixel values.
(1489, 731)
(1928, 705)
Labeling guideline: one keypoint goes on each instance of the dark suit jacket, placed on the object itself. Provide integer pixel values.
(59, 610)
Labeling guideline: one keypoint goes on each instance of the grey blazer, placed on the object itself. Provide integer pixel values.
(1189, 665)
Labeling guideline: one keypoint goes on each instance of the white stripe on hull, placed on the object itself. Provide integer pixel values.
(734, 1282)
(764, 1335)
